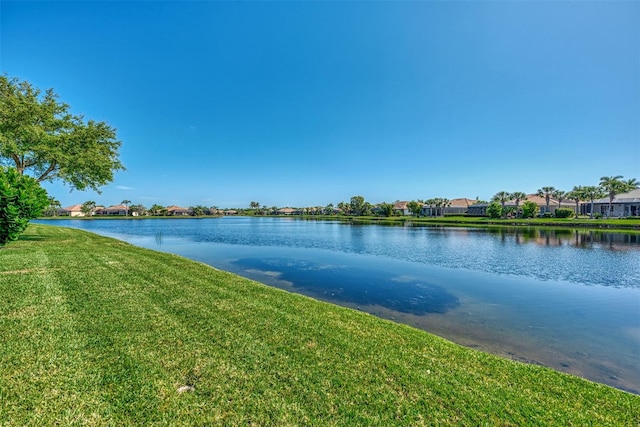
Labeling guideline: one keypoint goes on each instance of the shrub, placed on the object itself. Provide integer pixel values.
(529, 209)
(21, 199)
(495, 210)
(564, 213)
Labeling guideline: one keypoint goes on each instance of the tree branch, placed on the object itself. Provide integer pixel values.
(50, 169)
(19, 165)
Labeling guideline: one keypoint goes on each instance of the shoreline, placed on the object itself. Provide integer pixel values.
(612, 225)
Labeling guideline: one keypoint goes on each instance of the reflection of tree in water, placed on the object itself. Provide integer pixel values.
(573, 237)
(357, 285)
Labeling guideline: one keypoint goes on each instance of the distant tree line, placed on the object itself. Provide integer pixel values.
(503, 204)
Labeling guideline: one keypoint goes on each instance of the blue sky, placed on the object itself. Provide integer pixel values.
(310, 103)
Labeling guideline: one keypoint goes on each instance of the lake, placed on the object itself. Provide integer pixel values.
(566, 299)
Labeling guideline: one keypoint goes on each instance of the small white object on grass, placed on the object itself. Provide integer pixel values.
(186, 388)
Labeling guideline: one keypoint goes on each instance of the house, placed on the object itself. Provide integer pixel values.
(455, 207)
(119, 210)
(174, 210)
(287, 211)
(73, 210)
(623, 205)
(480, 209)
(541, 201)
(401, 207)
(458, 206)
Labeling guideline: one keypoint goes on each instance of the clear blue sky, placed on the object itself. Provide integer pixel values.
(310, 103)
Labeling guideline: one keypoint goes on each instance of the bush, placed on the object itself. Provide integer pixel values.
(529, 209)
(564, 213)
(546, 215)
(494, 210)
(21, 199)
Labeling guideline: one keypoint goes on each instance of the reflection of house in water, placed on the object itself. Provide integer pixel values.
(578, 238)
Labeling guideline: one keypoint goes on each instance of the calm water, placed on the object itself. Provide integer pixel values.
(567, 299)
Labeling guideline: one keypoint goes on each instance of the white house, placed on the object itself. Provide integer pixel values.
(623, 205)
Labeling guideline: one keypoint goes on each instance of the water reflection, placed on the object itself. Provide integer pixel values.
(561, 237)
(357, 286)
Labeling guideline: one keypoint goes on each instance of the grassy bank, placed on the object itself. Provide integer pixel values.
(628, 225)
(95, 331)
(622, 224)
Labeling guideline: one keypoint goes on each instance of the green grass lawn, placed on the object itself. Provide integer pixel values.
(94, 331)
(623, 224)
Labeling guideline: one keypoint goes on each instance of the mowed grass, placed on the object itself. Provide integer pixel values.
(627, 225)
(94, 331)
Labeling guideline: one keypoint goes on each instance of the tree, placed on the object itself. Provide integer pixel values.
(358, 206)
(254, 205)
(53, 207)
(591, 193)
(88, 207)
(615, 185)
(529, 209)
(328, 210)
(494, 210)
(137, 209)
(414, 207)
(432, 204)
(576, 194)
(39, 136)
(21, 199)
(546, 192)
(156, 210)
(443, 203)
(517, 197)
(198, 210)
(126, 204)
(503, 197)
(386, 209)
(559, 195)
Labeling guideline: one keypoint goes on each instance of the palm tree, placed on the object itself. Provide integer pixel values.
(431, 203)
(518, 196)
(592, 192)
(576, 194)
(156, 209)
(546, 192)
(559, 195)
(126, 204)
(444, 202)
(613, 185)
(503, 197)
